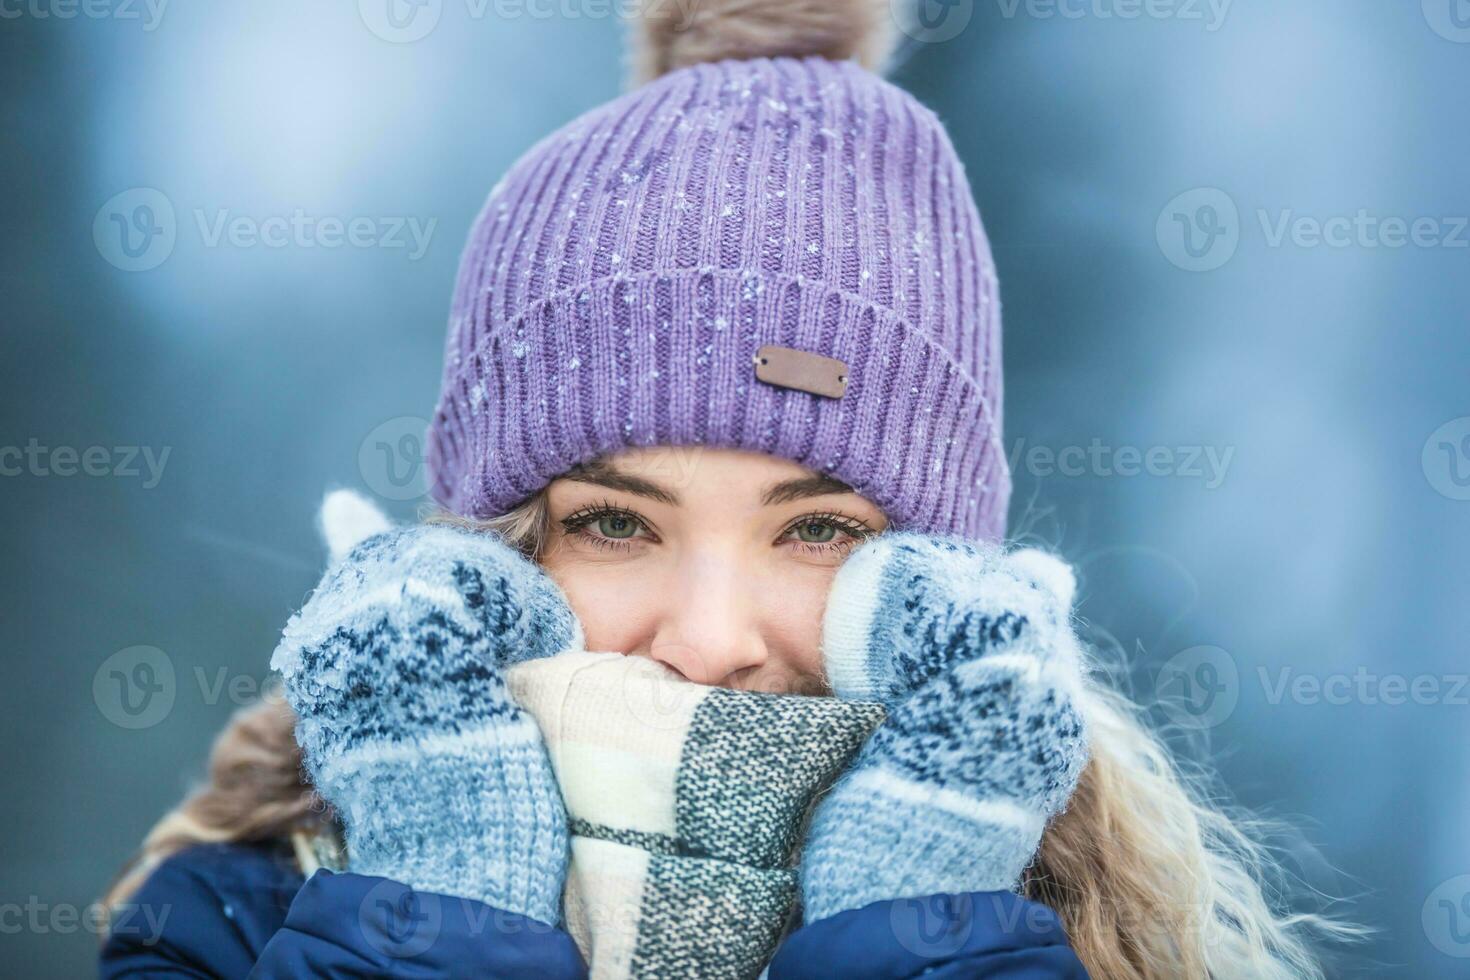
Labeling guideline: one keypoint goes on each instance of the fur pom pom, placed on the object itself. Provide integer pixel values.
(672, 34)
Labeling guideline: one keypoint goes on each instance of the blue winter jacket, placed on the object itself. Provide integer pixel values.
(234, 910)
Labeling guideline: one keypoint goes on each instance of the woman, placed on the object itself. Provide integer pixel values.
(712, 342)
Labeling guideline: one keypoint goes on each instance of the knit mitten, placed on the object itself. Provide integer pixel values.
(971, 651)
(395, 670)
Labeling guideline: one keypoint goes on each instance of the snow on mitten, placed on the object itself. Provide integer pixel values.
(686, 804)
(395, 668)
(972, 651)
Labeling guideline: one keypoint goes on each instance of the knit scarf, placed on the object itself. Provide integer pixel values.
(686, 806)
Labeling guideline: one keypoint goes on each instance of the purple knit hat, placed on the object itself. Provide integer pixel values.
(624, 275)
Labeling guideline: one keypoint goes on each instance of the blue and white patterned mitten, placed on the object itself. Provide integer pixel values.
(395, 670)
(972, 652)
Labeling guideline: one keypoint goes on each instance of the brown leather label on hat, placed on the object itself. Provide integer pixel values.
(802, 370)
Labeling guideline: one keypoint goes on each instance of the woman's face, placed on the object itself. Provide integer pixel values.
(715, 562)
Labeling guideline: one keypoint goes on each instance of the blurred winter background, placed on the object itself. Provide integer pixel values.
(1236, 270)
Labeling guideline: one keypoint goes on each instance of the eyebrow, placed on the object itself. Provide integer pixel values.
(800, 487)
(797, 488)
(600, 473)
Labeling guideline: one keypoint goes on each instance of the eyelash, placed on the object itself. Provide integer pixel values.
(858, 532)
(577, 523)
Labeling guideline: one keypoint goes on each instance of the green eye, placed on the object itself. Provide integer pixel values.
(616, 526)
(823, 532)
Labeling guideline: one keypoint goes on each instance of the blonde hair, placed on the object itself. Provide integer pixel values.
(1151, 879)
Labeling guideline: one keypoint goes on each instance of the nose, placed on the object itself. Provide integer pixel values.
(708, 629)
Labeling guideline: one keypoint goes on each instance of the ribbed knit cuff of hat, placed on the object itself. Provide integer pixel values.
(599, 365)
